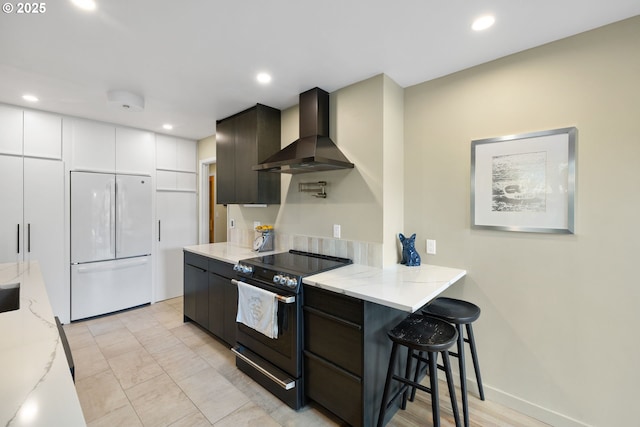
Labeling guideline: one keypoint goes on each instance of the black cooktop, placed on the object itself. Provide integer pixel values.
(298, 263)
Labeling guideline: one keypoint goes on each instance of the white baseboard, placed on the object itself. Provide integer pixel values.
(533, 410)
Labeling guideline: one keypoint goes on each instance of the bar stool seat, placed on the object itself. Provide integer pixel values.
(460, 313)
(421, 335)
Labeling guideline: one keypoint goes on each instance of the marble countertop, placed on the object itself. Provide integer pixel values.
(36, 388)
(226, 252)
(398, 286)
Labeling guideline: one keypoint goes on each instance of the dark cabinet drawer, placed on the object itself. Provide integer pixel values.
(221, 268)
(334, 388)
(342, 306)
(335, 339)
(196, 260)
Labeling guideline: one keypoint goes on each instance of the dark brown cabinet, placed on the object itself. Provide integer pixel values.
(346, 353)
(210, 299)
(242, 141)
(223, 306)
(196, 288)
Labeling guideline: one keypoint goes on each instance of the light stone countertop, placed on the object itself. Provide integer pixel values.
(36, 388)
(398, 286)
(226, 252)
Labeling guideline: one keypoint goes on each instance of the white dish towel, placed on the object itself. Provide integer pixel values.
(258, 309)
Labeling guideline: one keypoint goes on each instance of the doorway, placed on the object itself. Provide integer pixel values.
(212, 205)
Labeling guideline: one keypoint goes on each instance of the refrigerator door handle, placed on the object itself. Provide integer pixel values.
(159, 231)
(112, 219)
(18, 239)
(110, 266)
(29, 237)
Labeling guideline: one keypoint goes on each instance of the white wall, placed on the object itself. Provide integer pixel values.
(559, 312)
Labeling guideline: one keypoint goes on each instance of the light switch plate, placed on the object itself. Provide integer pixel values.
(431, 247)
(336, 231)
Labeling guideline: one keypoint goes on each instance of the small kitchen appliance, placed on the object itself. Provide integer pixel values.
(264, 240)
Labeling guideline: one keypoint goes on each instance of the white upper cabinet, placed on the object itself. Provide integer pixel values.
(93, 145)
(175, 154)
(42, 135)
(134, 151)
(102, 147)
(186, 155)
(10, 130)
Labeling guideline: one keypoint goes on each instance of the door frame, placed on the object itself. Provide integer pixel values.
(203, 200)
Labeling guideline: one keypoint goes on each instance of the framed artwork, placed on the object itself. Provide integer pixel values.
(524, 182)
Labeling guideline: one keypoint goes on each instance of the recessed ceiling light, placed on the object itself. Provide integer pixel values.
(85, 4)
(167, 126)
(30, 98)
(483, 22)
(263, 78)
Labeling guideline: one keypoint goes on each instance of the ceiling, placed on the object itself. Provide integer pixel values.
(195, 61)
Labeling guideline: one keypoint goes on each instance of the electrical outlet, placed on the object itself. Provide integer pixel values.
(336, 231)
(232, 223)
(431, 247)
(256, 224)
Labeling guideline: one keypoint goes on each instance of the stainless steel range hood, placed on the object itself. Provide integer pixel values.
(314, 151)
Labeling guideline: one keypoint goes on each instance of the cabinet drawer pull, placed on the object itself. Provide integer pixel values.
(18, 239)
(332, 317)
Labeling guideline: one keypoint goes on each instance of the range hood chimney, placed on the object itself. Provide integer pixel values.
(314, 151)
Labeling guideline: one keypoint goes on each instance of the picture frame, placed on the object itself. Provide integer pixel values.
(524, 182)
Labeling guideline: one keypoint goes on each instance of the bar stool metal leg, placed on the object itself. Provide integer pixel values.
(408, 375)
(452, 393)
(463, 376)
(433, 379)
(474, 356)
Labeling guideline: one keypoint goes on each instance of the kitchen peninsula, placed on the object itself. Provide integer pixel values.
(347, 313)
(36, 387)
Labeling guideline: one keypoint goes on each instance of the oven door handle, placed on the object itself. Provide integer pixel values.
(287, 300)
(287, 385)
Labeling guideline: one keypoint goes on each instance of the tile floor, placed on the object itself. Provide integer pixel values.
(146, 367)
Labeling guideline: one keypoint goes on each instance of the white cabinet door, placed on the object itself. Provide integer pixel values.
(10, 130)
(165, 152)
(177, 227)
(186, 181)
(11, 228)
(42, 135)
(186, 155)
(93, 145)
(135, 151)
(44, 230)
(176, 154)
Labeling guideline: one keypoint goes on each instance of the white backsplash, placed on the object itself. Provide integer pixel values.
(366, 253)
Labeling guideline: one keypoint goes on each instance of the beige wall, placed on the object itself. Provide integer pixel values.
(557, 331)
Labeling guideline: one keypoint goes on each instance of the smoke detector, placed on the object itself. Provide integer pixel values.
(124, 100)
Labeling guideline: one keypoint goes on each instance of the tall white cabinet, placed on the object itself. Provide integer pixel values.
(32, 224)
(176, 212)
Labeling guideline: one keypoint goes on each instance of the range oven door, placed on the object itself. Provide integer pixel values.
(276, 364)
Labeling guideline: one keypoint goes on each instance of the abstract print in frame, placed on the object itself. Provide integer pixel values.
(524, 182)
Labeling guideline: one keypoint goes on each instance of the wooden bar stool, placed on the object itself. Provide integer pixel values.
(460, 313)
(421, 335)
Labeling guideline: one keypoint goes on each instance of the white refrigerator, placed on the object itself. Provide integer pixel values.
(111, 239)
